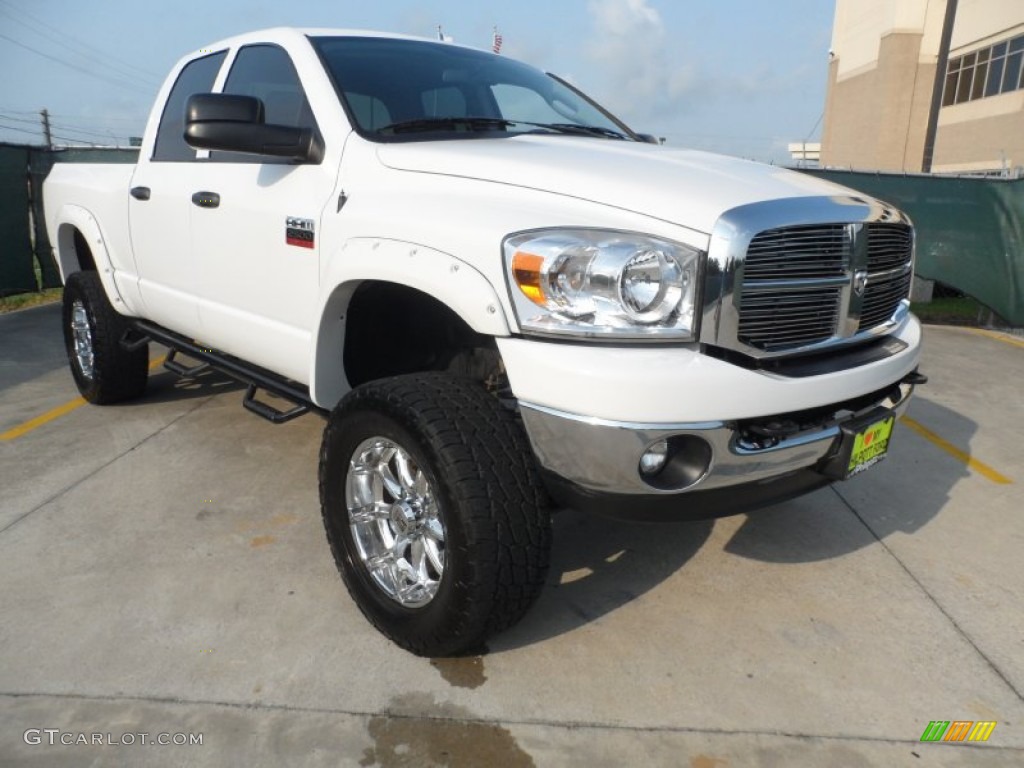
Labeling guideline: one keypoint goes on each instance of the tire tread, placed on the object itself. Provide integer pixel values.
(486, 463)
(118, 374)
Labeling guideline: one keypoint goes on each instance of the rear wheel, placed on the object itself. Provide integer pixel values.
(104, 371)
(434, 511)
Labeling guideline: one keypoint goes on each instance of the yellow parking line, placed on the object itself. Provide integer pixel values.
(979, 467)
(45, 418)
(56, 413)
(997, 336)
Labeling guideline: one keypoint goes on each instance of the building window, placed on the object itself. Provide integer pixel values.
(988, 72)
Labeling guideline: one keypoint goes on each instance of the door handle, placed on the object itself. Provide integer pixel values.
(140, 193)
(206, 199)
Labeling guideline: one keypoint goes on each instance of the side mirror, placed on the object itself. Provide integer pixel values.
(232, 123)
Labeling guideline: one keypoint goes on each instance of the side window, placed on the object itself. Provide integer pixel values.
(197, 77)
(266, 72)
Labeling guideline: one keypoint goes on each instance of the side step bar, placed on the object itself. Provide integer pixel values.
(172, 365)
(253, 376)
(269, 412)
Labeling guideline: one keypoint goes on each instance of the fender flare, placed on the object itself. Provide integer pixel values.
(452, 281)
(70, 218)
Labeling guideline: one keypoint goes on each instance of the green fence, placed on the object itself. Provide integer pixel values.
(970, 232)
(24, 245)
(16, 271)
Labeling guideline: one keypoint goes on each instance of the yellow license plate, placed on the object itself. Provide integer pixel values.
(870, 445)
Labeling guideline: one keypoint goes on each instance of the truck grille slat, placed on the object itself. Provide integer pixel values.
(797, 252)
(889, 248)
(774, 317)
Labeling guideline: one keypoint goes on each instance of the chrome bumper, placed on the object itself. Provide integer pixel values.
(603, 456)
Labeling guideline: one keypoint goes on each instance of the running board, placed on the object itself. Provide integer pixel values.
(172, 365)
(269, 412)
(254, 377)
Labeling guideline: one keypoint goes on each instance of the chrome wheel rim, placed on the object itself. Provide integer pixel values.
(396, 523)
(81, 335)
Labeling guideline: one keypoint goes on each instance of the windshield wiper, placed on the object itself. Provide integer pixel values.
(584, 130)
(425, 124)
(450, 123)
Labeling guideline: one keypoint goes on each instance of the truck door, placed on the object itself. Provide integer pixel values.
(159, 207)
(256, 240)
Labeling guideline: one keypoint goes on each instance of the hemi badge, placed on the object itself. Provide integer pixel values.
(299, 232)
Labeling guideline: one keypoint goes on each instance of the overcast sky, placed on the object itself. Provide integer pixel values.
(743, 77)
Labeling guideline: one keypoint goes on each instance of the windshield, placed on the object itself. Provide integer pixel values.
(416, 90)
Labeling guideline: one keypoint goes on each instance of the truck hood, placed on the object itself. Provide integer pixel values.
(684, 187)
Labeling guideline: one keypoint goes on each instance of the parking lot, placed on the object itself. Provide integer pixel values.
(164, 570)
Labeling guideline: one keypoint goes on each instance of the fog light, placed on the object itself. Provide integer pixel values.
(654, 458)
(675, 463)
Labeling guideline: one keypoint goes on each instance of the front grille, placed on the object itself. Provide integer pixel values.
(797, 253)
(774, 317)
(794, 280)
(774, 321)
(888, 246)
(889, 254)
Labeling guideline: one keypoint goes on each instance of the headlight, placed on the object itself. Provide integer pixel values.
(586, 282)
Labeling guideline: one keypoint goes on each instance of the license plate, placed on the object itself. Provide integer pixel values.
(870, 446)
(864, 443)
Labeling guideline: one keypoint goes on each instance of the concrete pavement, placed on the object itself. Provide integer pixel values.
(164, 570)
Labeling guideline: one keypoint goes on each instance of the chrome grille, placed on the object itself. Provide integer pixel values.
(881, 300)
(777, 320)
(797, 252)
(796, 283)
(784, 303)
(804, 275)
(890, 248)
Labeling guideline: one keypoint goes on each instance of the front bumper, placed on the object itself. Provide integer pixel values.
(594, 464)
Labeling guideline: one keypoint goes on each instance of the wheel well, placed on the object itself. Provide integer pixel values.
(392, 329)
(84, 254)
(73, 251)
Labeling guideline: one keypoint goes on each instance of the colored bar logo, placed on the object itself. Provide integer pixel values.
(299, 232)
(958, 730)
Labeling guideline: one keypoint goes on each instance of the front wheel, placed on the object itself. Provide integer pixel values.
(435, 513)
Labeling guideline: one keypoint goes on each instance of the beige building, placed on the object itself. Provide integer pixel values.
(882, 78)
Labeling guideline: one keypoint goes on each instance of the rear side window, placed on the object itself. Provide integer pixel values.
(266, 72)
(197, 77)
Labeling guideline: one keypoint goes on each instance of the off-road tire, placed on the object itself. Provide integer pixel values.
(496, 513)
(117, 374)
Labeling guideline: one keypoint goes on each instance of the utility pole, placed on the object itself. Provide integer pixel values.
(46, 129)
(940, 80)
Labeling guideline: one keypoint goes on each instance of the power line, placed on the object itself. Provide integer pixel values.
(65, 40)
(62, 126)
(105, 135)
(65, 115)
(19, 130)
(71, 139)
(113, 118)
(21, 119)
(816, 124)
(77, 68)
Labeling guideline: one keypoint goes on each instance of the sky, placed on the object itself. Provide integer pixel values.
(740, 77)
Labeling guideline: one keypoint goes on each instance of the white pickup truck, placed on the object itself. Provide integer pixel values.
(496, 293)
